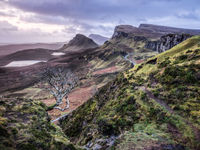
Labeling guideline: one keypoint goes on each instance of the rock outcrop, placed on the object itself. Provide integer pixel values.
(148, 37)
(79, 42)
(166, 42)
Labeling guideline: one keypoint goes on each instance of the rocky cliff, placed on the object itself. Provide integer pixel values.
(147, 37)
(166, 42)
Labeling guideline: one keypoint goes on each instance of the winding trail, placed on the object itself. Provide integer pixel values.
(57, 119)
(127, 58)
(162, 103)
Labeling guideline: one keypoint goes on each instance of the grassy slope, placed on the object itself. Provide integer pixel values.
(24, 124)
(156, 103)
(132, 46)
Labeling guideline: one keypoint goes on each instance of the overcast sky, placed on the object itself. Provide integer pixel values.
(25, 21)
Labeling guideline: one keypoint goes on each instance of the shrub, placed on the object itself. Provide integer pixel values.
(165, 63)
(190, 78)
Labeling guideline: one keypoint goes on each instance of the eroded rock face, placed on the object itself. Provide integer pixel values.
(166, 42)
(159, 40)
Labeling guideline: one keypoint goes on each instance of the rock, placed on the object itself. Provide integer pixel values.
(101, 144)
(96, 147)
(139, 38)
(159, 40)
(166, 42)
(172, 147)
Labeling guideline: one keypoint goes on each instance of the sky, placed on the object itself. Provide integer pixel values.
(30, 21)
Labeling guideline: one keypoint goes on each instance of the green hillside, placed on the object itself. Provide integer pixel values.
(25, 124)
(154, 105)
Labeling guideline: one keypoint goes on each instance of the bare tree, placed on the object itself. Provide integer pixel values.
(59, 82)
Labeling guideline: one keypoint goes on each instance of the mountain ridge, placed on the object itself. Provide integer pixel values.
(79, 42)
(151, 31)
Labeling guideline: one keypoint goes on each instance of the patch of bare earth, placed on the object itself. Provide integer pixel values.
(76, 98)
(139, 61)
(106, 70)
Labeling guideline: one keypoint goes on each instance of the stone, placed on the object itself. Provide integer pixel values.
(166, 42)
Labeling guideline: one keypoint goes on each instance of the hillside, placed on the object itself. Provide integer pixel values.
(79, 42)
(24, 124)
(98, 38)
(7, 49)
(29, 54)
(155, 105)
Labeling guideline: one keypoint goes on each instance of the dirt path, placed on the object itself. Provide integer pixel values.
(127, 58)
(162, 103)
(150, 95)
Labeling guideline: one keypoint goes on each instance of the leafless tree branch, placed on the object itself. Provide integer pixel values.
(59, 82)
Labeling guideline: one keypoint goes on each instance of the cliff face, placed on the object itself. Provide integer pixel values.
(166, 42)
(150, 39)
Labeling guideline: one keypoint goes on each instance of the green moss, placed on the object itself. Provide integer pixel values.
(31, 128)
(144, 136)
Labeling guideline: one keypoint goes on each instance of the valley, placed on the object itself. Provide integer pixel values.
(138, 89)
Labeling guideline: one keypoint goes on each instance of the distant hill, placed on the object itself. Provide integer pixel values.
(6, 49)
(29, 54)
(79, 42)
(98, 38)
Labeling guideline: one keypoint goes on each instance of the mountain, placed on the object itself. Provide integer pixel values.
(166, 42)
(128, 31)
(79, 42)
(166, 30)
(155, 105)
(98, 38)
(147, 40)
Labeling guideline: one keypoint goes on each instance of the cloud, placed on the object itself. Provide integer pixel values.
(65, 18)
(5, 27)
